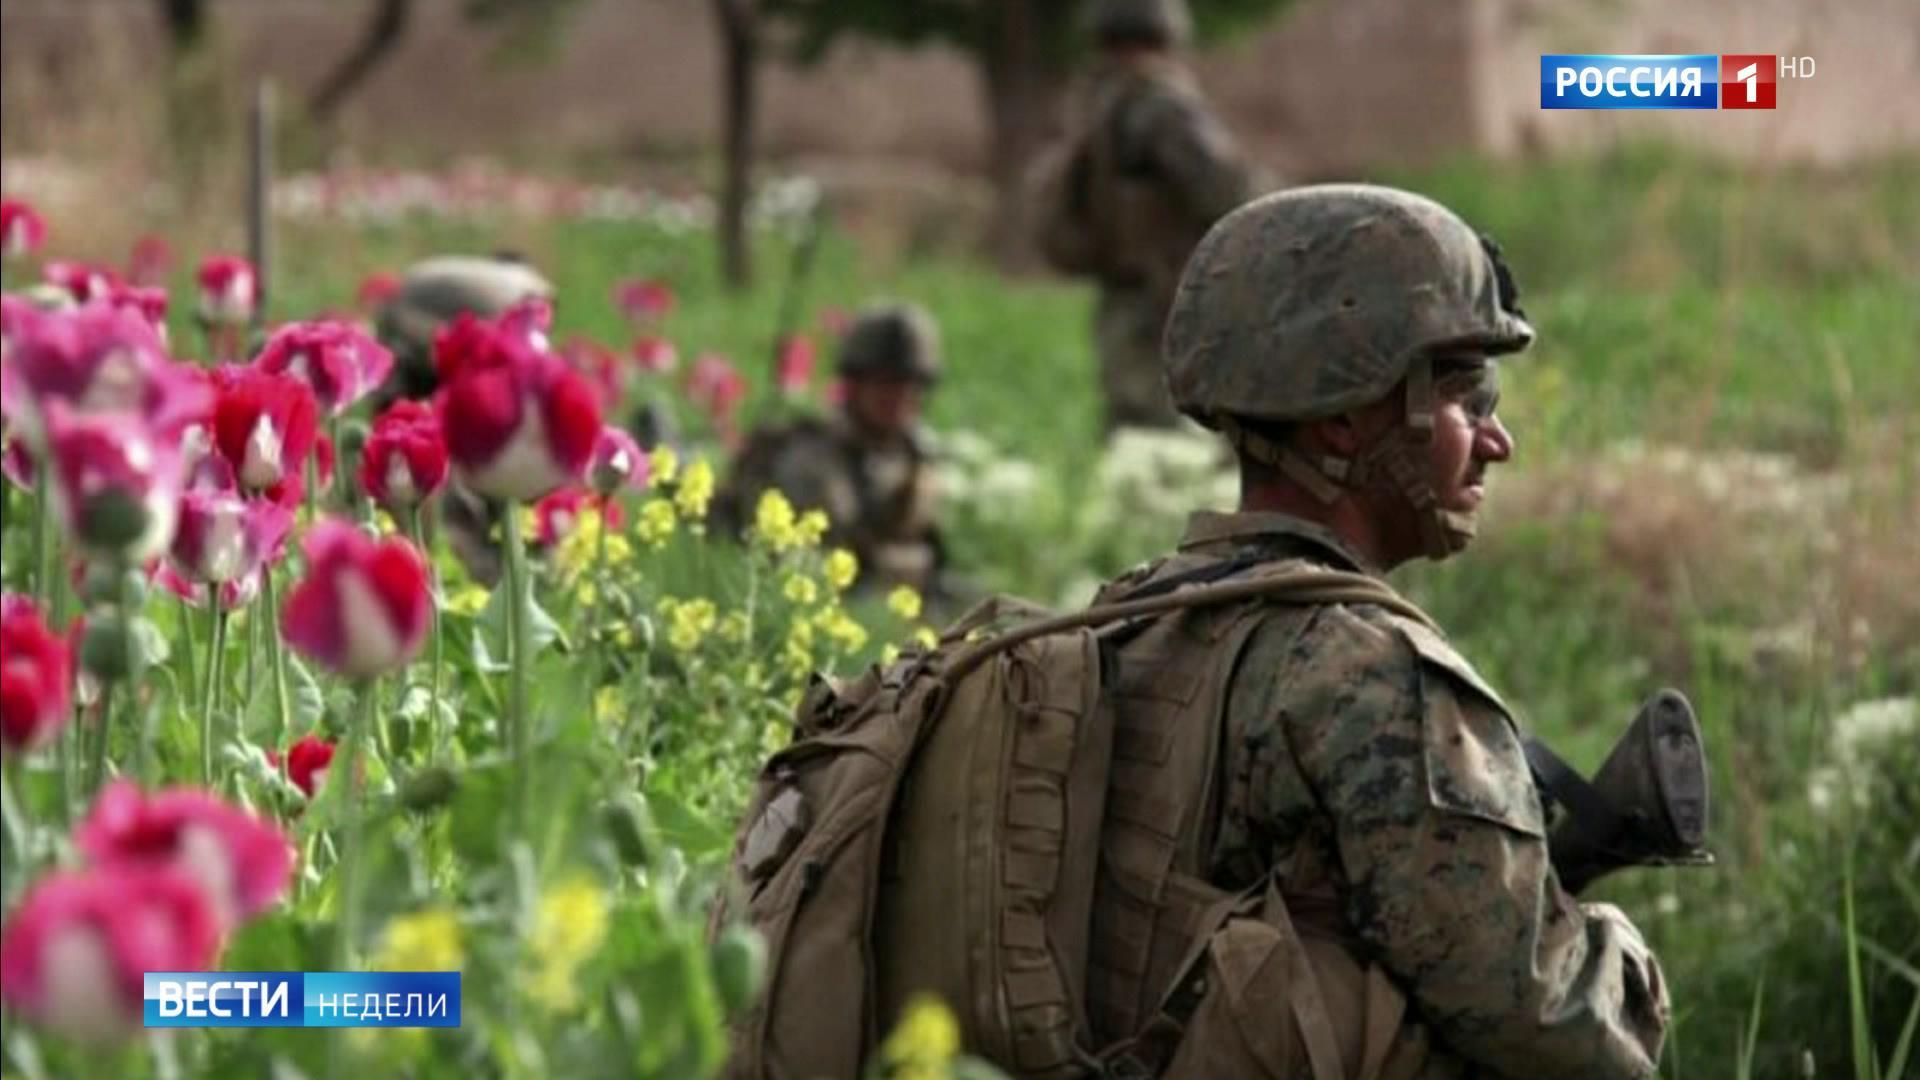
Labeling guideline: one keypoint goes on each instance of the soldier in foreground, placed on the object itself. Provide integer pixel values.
(866, 462)
(1344, 340)
(1146, 168)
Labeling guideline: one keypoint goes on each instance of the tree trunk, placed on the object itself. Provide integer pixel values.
(186, 22)
(738, 23)
(1024, 73)
(383, 32)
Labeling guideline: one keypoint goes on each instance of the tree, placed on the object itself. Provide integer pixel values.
(739, 25)
(384, 30)
(1025, 51)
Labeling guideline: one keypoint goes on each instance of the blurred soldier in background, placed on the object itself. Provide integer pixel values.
(431, 293)
(1145, 169)
(866, 462)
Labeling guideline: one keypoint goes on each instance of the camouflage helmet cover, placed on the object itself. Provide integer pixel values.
(1313, 301)
(1167, 22)
(892, 339)
(437, 289)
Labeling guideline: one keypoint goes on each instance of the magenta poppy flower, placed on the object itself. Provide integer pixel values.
(618, 462)
(796, 363)
(655, 355)
(716, 387)
(363, 607)
(74, 955)
(223, 538)
(264, 425)
(643, 299)
(150, 304)
(99, 358)
(241, 861)
(306, 762)
(36, 677)
(338, 361)
(22, 232)
(116, 482)
(232, 595)
(151, 261)
(519, 422)
(376, 290)
(405, 458)
(17, 464)
(229, 290)
(85, 282)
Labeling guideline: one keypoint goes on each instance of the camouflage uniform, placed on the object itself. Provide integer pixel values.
(877, 489)
(1367, 770)
(1154, 169)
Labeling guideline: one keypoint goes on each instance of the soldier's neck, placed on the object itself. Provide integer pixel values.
(1347, 518)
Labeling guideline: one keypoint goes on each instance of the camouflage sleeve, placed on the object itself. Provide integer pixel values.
(1177, 138)
(1440, 834)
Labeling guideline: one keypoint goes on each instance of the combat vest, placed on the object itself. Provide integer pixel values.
(1017, 825)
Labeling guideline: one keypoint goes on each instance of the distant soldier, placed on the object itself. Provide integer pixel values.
(431, 294)
(866, 462)
(1145, 170)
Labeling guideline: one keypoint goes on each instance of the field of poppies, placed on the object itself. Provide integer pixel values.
(259, 717)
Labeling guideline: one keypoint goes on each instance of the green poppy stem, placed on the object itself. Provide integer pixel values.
(416, 525)
(272, 631)
(210, 690)
(518, 647)
(350, 851)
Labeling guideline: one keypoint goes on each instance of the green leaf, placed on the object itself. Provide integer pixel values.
(542, 630)
(478, 804)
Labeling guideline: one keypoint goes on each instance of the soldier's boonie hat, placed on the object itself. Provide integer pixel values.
(891, 339)
(1313, 301)
(436, 290)
(1166, 22)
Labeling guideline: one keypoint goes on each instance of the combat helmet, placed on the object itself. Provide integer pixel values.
(434, 291)
(1159, 22)
(891, 339)
(1316, 301)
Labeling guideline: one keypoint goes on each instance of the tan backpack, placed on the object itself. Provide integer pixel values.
(972, 780)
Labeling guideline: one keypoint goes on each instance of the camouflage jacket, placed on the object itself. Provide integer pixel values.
(877, 495)
(1163, 170)
(1377, 776)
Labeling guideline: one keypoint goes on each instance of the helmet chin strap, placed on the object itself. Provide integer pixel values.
(1397, 465)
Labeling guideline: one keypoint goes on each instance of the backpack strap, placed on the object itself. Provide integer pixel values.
(1286, 586)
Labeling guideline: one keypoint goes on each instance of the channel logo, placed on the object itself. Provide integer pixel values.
(301, 999)
(1660, 81)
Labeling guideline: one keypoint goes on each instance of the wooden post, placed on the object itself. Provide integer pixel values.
(260, 200)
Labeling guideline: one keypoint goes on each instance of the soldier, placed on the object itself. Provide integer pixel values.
(865, 463)
(1146, 169)
(1344, 340)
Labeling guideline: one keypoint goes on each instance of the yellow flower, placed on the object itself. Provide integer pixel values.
(426, 940)
(529, 522)
(841, 627)
(734, 627)
(927, 638)
(924, 1042)
(581, 548)
(904, 602)
(688, 621)
(889, 653)
(800, 589)
(665, 464)
(568, 926)
(656, 522)
(606, 704)
(841, 568)
(811, 528)
(468, 600)
(773, 522)
(695, 491)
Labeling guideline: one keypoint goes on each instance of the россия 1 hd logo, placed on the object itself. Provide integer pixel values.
(1692, 81)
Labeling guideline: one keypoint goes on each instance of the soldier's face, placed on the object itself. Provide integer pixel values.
(887, 406)
(1468, 438)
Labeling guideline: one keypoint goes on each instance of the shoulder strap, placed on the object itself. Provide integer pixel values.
(1292, 586)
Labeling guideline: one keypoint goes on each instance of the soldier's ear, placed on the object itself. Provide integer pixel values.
(1332, 435)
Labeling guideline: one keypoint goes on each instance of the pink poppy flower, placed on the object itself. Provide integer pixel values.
(834, 321)
(150, 303)
(223, 538)
(241, 861)
(77, 949)
(151, 261)
(306, 762)
(229, 290)
(715, 386)
(36, 677)
(556, 516)
(22, 232)
(519, 422)
(232, 595)
(264, 425)
(656, 355)
(405, 458)
(530, 319)
(796, 363)
(340, 362)
(618, 462)
(96, 359)
(116, 481)
(599, 364)
(376, 290)
(643, 299)
(363, 607)
(17, 464)
(84, 282)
